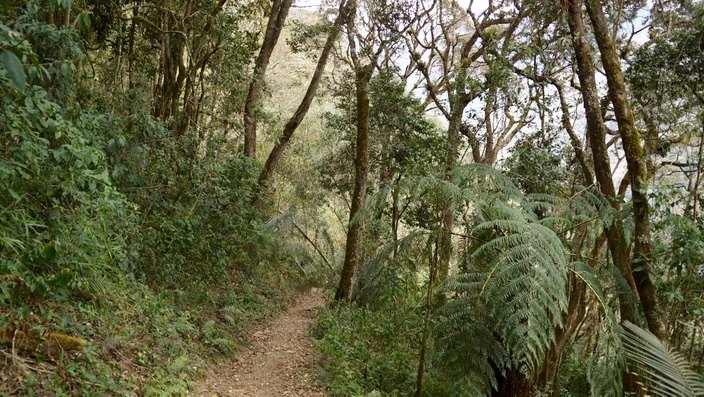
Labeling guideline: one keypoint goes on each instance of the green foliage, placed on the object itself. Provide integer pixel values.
(665, 371)
(59, 223)
(119, 230)
(390, 279)
(678, 254)
(511, 294)
(536, 164)
(402, 142)
(666, 80)
(509, 298)
(368, 351)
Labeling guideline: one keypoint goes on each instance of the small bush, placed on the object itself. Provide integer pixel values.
(367, 351)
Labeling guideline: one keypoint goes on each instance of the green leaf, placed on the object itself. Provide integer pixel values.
(84, 20)
(13, 194)
(14, 68)
(63, 278)
(65, 70)
(665, 370)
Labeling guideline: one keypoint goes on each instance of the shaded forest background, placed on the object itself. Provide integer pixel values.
(502, 199)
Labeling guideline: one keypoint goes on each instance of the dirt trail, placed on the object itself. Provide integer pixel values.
(279, 362)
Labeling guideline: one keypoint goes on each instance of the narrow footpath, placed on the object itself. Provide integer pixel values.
(279, 362)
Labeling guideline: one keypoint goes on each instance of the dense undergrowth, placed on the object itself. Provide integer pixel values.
(116, 230)
(368, 351)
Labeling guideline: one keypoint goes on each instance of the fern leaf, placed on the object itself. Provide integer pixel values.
(666, 371)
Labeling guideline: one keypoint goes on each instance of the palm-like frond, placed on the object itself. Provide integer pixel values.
(484, 180)
(666, 372)
(468, 347)
(386, 279)
(518, 284)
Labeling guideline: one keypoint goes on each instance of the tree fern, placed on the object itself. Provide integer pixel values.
(664, 370)
(386, 280)
(510, 295)
(513, 293)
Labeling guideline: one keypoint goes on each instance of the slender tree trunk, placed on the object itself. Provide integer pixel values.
(277, 18)
(576, 309)
(459, 102)
(197, 65)
(576, 144)
(596, 131)
(295, 120)
(448, 218)
(637, 167)
(130, 53)
(395, 214)
(354, 233)
(698, 178)
(426, 321)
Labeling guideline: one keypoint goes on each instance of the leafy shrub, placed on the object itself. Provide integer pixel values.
(368, 351)
(115, 231)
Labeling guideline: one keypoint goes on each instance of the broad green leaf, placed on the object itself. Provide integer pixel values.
(65, 70)
(84, 20)
(14, 68)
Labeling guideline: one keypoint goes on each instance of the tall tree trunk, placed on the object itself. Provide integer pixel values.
(596, 131)
(576, 144)
(197, 65)
(346, 9)
(458, 102)
(130, 54)
(637, 167)
(426, 321)
(395, 212)
(698, 177)
(277, 18)
(448, 213)
(354, 232)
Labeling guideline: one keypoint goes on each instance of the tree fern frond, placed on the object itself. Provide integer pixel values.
(505, 226)
(385, 278)
(501, 210)
(373, 204)
(517, 279)
(466, 347)
(589, 205)
(607, 362)
(548, 200)
(665, 370)
(485, 179)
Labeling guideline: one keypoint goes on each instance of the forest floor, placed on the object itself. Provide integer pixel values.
(279, 362)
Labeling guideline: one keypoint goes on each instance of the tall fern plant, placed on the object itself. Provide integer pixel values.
(511, 293)
(519, 259)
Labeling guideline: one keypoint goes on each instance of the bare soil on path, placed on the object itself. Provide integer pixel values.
(279, 362)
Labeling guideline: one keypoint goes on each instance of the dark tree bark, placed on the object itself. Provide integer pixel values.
(277, 18)
(596, 131)
(295, 120)
(637, 168)
(176, 82)
(361, 167)
(197, 64)
(512, 383)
